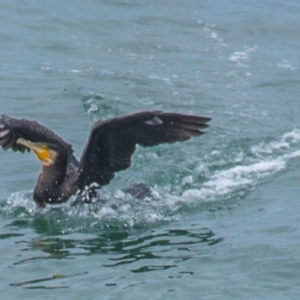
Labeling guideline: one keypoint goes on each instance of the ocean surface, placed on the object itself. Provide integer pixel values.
(225, 219)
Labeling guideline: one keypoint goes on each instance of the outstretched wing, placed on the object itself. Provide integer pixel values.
(11, 129)
(113, 141)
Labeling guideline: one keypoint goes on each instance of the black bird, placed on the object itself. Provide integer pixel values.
(109, 148)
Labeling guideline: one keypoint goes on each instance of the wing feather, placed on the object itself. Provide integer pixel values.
(112, 142)
(11, 129)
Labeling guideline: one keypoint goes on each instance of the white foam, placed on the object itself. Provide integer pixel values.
(74, 71)
(258, 168)
(242, 57)
(225, 182)
(293, 136)
(286, 65)
(214, 35)
(209, 28)
(263, 148)
(285, 143)
(292, 155)
(187, 180)
(269, 158)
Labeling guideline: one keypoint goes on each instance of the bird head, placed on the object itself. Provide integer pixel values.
(46, 153)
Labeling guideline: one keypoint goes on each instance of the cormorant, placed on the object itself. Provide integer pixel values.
(109, 148)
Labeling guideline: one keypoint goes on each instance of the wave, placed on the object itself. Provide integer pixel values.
(249, 168)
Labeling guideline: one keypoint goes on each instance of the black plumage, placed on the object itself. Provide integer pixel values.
(109, 148)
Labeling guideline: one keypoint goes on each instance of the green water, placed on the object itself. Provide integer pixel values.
(224, 222)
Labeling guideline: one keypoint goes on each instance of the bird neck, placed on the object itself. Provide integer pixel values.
(50, 181)
(53, 175)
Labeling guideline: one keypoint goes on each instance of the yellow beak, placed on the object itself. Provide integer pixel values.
(41, 151)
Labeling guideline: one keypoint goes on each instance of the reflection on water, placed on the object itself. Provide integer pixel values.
(24, 283)
(141, 252)
(174, 244)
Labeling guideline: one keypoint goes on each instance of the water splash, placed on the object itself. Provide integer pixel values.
(234, 174)
(226, 173)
